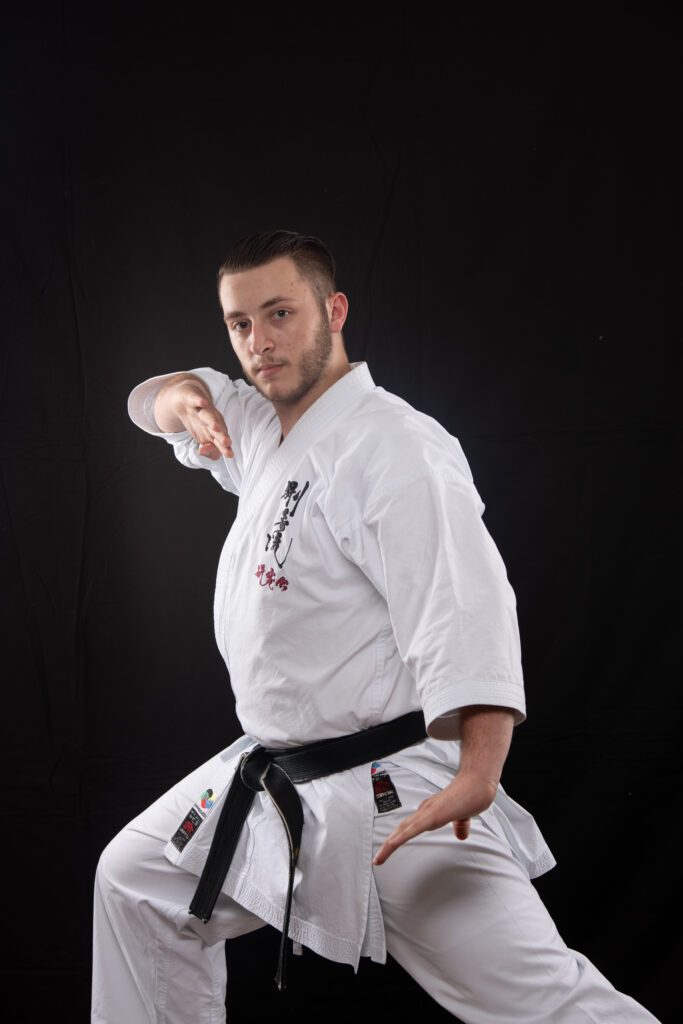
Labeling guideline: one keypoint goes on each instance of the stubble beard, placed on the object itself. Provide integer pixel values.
(312, 364)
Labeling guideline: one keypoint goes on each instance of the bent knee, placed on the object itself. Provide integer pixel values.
(127, 859)
(115, 864)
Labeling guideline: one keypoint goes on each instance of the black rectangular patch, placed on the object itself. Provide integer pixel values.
(187, 829)
(386, 797)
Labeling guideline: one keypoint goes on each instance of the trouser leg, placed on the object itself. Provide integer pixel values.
(465, 921)
(153, 961)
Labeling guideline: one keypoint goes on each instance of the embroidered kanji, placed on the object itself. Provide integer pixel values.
(275, 540)
(267, 579)
(291, 492)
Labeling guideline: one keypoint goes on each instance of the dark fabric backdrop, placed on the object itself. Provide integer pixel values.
(500, 196)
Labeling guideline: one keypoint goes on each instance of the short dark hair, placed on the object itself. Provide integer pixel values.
(313, 259)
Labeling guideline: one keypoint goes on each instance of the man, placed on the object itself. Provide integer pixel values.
(357, 589)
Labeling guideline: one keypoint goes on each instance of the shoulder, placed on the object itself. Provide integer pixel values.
(387, 453)
(391, 440)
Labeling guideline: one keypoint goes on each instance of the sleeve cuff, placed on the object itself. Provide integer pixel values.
(446, 703)
(141, 405)
(142, 398)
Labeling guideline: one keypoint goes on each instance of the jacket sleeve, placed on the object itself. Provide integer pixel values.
(244, 410)
(418, 535)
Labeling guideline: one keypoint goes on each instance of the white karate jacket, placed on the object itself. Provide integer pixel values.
(357, 583)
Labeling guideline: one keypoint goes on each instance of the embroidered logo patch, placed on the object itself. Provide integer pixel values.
(207, 799)
(187, 829)
(386, 797)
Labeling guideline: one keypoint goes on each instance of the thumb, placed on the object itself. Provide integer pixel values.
(461, 828)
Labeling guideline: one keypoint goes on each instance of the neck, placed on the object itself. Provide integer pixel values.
(290, 414)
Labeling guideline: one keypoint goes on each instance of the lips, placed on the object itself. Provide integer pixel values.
(269, 370)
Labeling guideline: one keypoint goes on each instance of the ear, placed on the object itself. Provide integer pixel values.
(337, 307)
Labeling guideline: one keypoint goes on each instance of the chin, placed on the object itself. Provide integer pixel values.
(282, 396)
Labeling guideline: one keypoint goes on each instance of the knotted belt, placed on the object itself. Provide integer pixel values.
(277, 771)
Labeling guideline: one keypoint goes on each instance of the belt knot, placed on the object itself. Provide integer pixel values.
(275, 770)
(253, 767)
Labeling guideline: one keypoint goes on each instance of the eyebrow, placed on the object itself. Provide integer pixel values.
(236, 314)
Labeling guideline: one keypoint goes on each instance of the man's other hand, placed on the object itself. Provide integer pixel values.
(486, 732)
(468, 794)
(184, 403)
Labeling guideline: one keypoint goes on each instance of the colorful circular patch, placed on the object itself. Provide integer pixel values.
(376, 766)
(207, 799)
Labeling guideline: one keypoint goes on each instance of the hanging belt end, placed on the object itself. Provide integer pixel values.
(203, 913)
(281, 972)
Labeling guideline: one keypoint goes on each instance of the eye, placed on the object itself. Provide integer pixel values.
(281, 314)
(239, 325)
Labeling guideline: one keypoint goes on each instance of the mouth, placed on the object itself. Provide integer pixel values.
(269, 370)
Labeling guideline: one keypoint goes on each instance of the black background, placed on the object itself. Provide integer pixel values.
(499, 193)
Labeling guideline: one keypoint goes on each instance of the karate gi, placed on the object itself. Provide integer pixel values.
(357, 583)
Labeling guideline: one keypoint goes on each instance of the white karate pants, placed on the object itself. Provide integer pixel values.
(460, 916)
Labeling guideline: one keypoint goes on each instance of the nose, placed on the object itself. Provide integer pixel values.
(260, 340)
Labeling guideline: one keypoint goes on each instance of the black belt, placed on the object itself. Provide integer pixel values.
(275, 770)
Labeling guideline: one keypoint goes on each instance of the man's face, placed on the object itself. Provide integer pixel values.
(279, 329)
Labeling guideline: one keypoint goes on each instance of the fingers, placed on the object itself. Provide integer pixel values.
(208, 428)
(462, 798)
(424, 820)
(196, 401)
(414, 826)
(217, 446)
(218, 439)
(209, 451)
(388, 846)
(218, 433)
(462, 828)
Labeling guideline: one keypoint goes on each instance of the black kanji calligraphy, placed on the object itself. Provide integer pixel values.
(292, 493)
(275, 541)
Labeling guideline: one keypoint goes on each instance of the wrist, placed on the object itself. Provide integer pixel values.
(482, 785)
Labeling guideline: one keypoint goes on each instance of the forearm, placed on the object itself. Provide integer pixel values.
(486, 733)
(165, 415)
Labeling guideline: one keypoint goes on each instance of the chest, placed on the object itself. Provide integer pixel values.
(282, 565)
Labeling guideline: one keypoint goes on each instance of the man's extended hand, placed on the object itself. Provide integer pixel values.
(184, 403)
(485, 740)
(468, 794)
